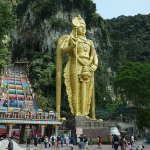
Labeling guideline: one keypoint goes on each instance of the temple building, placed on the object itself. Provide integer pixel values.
(19, 115)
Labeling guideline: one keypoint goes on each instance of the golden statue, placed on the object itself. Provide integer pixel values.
(79, 71)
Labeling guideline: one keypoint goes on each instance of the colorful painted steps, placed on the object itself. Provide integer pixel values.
(21, 106)
(18, 89)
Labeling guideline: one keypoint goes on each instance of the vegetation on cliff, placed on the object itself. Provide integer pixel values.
(6, 24)
(130, 38)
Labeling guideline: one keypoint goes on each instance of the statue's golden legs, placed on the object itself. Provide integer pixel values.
(83, 97)
(75, 97)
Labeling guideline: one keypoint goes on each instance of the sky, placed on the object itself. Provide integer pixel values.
(113, 8)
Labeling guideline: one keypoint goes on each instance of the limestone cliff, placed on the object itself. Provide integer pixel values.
(41, 33)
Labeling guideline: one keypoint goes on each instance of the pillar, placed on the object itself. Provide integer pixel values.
(37, 129)
(10, 129)
(56, 130)
(27, 131)
(42, 130)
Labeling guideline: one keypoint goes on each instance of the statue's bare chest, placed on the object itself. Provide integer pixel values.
(84, 45)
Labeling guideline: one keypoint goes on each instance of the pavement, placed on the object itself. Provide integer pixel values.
(94, 147)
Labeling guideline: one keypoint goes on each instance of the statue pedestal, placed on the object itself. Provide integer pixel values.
(76, 124)
(91, 128)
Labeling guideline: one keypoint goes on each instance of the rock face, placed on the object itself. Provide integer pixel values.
(4, 145)
(42, 35)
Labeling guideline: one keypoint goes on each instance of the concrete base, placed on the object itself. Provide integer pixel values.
(75, 122)
(92, 128)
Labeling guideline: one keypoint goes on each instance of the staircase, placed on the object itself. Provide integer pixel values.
(17, 103)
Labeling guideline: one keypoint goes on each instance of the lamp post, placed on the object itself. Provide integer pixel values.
(120, 120)
(121, 117)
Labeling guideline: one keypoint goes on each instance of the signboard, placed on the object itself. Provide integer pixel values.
(11, 65)
(79, 131)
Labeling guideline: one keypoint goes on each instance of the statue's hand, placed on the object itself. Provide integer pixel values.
(74, 41)
(92, 67)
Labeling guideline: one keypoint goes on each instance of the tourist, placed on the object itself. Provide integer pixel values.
(129, 140)
(132, 140)
(53, 141)
(116, 142)
(81, 144)
(85, 142)
(42, 142)
(35, 140)
(45, 142)
(91, 141)
(71, 143)
(99, 142)
(28, 142)
(62, 141)
(67, 142)
(10, 144)
(78, 140)
(135, 138)
(49, 141)
(140, 147)
(58, 142)
(112, 140)
(123, 143)
(129, 146)
(39, 139)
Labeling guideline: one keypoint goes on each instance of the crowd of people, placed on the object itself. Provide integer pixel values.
(125, 143)
(83, 142)
(53, 142)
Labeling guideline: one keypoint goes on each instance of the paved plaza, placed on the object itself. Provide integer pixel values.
(94, 147)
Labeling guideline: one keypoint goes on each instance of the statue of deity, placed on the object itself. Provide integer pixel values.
(79, 70)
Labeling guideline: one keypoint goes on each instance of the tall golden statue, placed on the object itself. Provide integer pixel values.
(79, 71)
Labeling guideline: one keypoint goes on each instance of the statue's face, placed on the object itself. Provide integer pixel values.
(81, 30)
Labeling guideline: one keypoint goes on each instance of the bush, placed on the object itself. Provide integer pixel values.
(105, 142)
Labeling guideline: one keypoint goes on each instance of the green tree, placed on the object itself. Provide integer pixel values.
(143, 117)
(47, 81)
(42, 76)
(6, 21)
(132, 83)
(4, 59)
(35, 71)
(133, 51)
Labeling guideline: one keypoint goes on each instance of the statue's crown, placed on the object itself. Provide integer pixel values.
(77, 21)
(80, 19)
